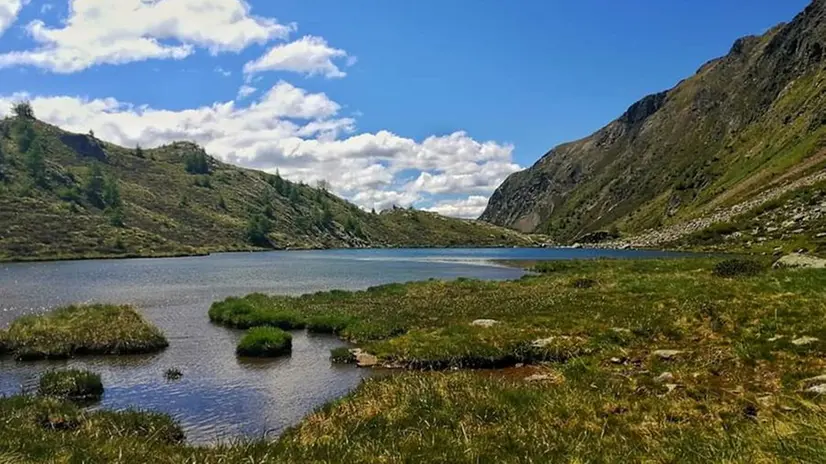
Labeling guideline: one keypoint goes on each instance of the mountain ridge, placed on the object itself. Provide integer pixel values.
(744, 119)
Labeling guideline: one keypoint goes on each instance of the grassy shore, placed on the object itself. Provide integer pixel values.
(81, 330)
(655, 361)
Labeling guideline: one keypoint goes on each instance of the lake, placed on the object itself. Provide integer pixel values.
(221, 397)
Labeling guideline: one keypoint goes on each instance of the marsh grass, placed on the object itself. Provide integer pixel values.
(72, 384)
(582, 307)
(594, 388)
(264, 342)
(83, 330)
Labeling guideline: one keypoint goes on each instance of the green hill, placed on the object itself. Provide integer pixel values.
(748, 122)
(65, 195)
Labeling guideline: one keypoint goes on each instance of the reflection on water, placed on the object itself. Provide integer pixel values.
(221, 397)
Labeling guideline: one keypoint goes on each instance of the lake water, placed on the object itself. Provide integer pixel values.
(221, 397)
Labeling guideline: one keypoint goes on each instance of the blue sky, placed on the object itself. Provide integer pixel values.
(425, 103)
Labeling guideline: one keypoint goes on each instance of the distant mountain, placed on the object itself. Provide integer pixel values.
(745, 123)
(66, 195)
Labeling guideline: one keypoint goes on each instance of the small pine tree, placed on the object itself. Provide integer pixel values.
(111, 192)
(258, 227)
(197, 163)
(222, 203)
(139, 151)
(94, 186)
(36, 164)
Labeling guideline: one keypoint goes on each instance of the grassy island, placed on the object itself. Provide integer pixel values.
(265, 342)
(72, 384)
(82, 330)
(656, 361)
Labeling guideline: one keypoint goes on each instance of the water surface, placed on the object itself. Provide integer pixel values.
(221, 397)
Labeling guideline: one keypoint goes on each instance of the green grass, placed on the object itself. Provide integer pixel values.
(73, 384)
(265, 342)
(592, 391)
(82, 330)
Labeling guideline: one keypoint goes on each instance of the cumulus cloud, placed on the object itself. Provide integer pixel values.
(468, 208)
(309, 55)
(303, 135)
(116, 32)
(245, 91)
(9, 9)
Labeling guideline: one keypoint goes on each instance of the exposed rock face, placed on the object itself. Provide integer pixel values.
(84, 145)
(678, 155)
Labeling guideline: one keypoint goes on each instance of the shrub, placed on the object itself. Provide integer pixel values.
(73, 384)
(342, 355)
(584, 283)
(265, 342)
(738, 267)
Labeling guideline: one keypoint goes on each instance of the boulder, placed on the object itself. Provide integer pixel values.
(363, 358)
(800, 261)
(817, 389)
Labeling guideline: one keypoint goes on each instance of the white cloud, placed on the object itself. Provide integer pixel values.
(223, 72)
(245, 91)
(309, 55)
(468, 208)
(116, 32)
(9, 9)
(303, 135)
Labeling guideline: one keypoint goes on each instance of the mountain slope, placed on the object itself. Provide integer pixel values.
(65, 195)
(716, 139)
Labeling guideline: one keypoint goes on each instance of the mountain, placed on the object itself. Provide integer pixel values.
(66, 195)
(745, 123)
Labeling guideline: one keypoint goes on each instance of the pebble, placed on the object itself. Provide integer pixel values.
(667, 354)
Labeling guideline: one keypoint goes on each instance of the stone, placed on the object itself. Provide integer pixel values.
(797, 260)
(776, 338)
(665, 377)
(616, 361)
(363, 358)
(538, 378)
(671, 387)
(821, 235)
(667, 355)
(772, 229)
(803, 341)
(543, 342)
(817, 389)
(788, 224)
(485, 323)
(820, 379)
(621, 330)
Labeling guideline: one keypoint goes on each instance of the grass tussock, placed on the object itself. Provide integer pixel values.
(72, 384)
(83, 330)
(265, 342)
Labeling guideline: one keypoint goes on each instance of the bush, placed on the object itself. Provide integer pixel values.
(584, 283)
(73, 384)
(342, 355)
(265, 342)
(738, 267)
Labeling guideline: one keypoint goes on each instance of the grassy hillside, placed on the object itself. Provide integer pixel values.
(65, 195)
(746, 122)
